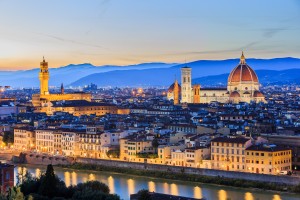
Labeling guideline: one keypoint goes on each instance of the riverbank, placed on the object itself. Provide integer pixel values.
(189, 177)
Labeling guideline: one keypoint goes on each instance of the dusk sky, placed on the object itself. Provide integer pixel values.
(134, 31)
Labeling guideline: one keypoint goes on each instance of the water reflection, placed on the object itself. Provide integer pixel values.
(111, 184)
(174, 189)
(166, 188)
(276, 197)
(124, 185)
(197, 192)
(67, 178)
(222, 195)
(249, 196)
(130, 184)
(151, 186)
(74, 178)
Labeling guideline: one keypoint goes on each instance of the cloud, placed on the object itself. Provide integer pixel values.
(72, 41)
(271, 32)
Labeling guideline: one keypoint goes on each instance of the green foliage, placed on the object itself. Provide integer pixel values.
(144, 195)
(113, 153)
(8, 137)
(48, 183)
(94, 186)
(155, 143)
(49, 186)
(15, 194)
(147, 155)
(89, 194)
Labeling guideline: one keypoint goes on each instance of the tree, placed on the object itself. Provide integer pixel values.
(15, 194)
(113, 153)
(144, 195)
(93, 186)
(8, 137)
(155, 144)
(48, 183)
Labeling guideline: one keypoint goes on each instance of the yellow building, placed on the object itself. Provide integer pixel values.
(45, 141)
(268, 159)
(89, 146)
(24, 139)
(130, 148)
(229, 153)
(195, 155)
(70, 143)
(39, 100)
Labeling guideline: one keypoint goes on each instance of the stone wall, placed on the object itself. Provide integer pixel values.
(291, 180)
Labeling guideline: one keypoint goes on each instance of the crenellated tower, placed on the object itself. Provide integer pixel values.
(44, 77)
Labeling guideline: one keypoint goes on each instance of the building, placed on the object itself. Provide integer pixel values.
(174, 92)
(229, 153)
(242, 86)
(45, 141)
(78, 108)
(70, 143)
(268, 159)
(24, 139)
(186, 85)
(41, 100)
(6, 177)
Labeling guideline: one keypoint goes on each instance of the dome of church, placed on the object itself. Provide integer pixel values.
(235, 94)
(258, 94)
(242, 73)
(171, 88)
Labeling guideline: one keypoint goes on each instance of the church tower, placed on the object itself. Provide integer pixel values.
(186, 85)
(176, 93)
(44, 77)
(62, 89)
(196, 90)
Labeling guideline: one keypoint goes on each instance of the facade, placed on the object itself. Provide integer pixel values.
(268, 159)
(242, 86)
(41, 100)
(229, 153)
(6, 177)
(130, 148)
(70, 143)
(78, 107)
(24, 139)
(45, 141)
(186, 85)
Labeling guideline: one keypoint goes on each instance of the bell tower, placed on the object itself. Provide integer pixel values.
(186, 85)
(44, 77)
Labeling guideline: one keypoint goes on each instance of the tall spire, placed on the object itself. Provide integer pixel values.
(62, 89)
(242, 61)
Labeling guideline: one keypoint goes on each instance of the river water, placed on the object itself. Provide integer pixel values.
(124, 185)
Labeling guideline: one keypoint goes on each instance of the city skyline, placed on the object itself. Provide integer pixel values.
(103, 32)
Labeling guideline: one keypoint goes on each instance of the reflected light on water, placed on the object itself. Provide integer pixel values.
(38, 172)
(67, 178)
(74, 178)
(111, 184)
(197, 192)
(174, 189)
(222, 195)
(276, 197)
(151, 186)
(249, 196)
(91, 177)
(166, 188)
(130, 184)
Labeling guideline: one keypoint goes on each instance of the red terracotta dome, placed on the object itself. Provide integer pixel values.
(243, 73)
(235, 94)
(258, 94)
(171, 88)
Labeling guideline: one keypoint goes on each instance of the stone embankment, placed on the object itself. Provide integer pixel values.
(43, 159)
(289, 180)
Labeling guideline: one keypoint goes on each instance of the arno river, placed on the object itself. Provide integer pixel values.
(123, 185)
